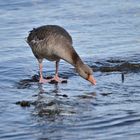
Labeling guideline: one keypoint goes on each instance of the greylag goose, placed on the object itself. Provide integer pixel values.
(53, 43)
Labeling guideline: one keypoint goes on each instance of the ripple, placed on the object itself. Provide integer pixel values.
(106, 36)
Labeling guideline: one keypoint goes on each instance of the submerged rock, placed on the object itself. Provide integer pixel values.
(85, 96)
(26, 83)
(115, 61)
(63, 95)
(50, 106)
(55, 82)
(24, 103)
(116, 65)
(106, 94)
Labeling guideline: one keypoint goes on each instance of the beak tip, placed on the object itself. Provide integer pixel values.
(92, 80)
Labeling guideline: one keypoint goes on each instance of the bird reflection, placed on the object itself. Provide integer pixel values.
(54, 90)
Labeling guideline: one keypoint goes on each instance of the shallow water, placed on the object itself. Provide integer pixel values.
(107, 37)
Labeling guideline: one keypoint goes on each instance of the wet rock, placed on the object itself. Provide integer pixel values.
(109, 69)
(63, 95)
(52, 112)
(51, 103)
(116, 65)
(135, 67)
(105, 94)
(26, 83)
(55, 82)
(115, 61)
(35, 78)
(85, 96)
(47, 108)
(24, 103)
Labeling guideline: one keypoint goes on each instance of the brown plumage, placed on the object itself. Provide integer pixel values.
(53, 42)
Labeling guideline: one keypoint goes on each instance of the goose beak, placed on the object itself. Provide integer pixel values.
(91, 80)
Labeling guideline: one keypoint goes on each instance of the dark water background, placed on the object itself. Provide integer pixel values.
(106, 34)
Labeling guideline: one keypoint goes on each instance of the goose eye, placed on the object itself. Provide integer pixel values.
(86, 72)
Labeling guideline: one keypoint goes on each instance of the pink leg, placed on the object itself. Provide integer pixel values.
(41, 79)
(56, 77)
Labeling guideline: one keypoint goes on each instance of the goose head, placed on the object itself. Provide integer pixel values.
(86, 72)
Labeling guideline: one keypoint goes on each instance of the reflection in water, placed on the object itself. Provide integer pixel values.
(41, 90)
(51, 103)
(122, 77)
(106, 36)
(55, 114)
(56, 89)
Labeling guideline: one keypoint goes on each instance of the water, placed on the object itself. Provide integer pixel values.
(106, 36)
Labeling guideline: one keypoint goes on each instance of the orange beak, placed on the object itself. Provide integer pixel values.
(91, 79)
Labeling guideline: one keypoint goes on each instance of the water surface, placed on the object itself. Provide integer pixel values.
(107, 37)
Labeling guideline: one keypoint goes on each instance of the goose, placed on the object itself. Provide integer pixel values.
(54, 43)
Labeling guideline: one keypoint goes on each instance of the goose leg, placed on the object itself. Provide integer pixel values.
(41, 79)
(56, 77)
